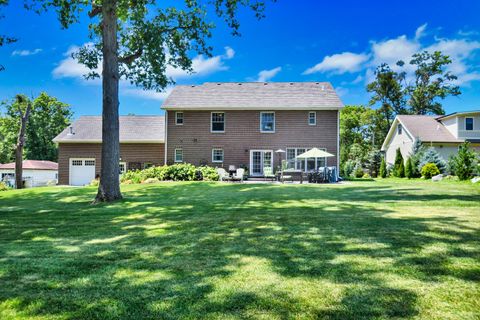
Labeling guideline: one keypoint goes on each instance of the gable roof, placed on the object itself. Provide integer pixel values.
(425, 128)
(32, 165)
(254, 95)
(461, 113)
(144, 129)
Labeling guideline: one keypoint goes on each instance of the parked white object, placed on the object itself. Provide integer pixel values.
(475, 180)
(239, 174)
(438, 177)
(223, 175)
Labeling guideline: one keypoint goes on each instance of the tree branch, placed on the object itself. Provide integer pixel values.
(96, 10)
(132, 57)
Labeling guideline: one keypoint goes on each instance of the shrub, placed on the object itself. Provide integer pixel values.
(95, 182)
(399, 167)
(383, 169)
(209, 173)
(374, 160)
(358, 173)
(134, 176)
(176, 172)
(3, 186)
(181, 172)
(432, 156)
(348, 168)
(366, 176)
(417, 153)
(429, 170)
(463, 164)
(409, 171)
(151, 180)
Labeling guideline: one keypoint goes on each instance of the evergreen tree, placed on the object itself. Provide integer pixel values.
(383, 169)
(399, 167)
(409, 171)
(431, 156)
(417, 153)
(374, 159)
(464, 162)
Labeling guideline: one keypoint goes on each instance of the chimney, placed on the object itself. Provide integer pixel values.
(70, 131)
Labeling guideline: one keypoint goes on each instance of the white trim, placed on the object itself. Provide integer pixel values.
(176, 118)
(274, 121)
(314, 118)
(223, 155)
(175, 155)
(224, 121)
(392, 130)
(262, 157)
(473, 123)
(165, 149)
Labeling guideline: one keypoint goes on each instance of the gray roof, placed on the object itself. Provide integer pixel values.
(132, 129)
(426, 128)
(254, 95)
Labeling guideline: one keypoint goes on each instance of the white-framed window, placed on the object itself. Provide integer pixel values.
(267, 122)
(469, 124)
(399, 129)
(77, 162)
(217, 123)
(217, 155)
(179, 118)
(308, 164)
(123, 167)
(178, 156)
(312, 118)
(88, 162)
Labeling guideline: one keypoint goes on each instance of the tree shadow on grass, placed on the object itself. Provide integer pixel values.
(176, 251)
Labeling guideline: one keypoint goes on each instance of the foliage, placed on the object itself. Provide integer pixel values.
(464, 162)
(3, 186)
(429, 170)
(94, 182)
(374, 160)
(358, 172)
(47, 119)
(399, 166)
(348, 167)
(176, 172)
(409, 169)
(431, 156)
(383, 169)
(417, 153)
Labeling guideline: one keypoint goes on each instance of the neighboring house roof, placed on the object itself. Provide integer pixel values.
(254, 95)
(454, 114)
(142, 129)
(32, 165)
(425, 128)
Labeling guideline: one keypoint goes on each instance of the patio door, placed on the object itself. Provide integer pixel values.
(259, 159)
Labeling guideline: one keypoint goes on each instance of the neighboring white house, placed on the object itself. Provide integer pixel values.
(444, 133)
(35, 173)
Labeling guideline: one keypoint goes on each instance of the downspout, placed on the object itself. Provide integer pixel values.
(166, 138)
(338, 141)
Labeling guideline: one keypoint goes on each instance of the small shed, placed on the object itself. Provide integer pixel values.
(36, 173)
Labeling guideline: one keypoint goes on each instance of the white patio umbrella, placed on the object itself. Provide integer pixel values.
(315, 153)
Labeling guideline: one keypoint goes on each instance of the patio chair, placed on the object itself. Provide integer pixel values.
(268, 173)
(238, 175)
(285, 176)
(223, 175)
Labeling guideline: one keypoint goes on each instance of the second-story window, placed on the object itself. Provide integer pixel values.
(179, 118)
(312, 118)
(267, 121)
(399, 129)
(469, 124)
(218, 122)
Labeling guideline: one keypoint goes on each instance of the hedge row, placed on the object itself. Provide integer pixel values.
(176, 172)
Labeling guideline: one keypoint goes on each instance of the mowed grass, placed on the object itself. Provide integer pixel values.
(360, 250)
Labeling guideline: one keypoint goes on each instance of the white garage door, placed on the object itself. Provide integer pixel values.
(82, 171)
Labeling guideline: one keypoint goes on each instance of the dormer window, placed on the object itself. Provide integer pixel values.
(179, 118)
(399, 129)
(468, 124)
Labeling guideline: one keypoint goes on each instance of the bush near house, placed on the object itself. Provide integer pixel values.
(429, 170)
(464, 162)
(399, 166)
(409, 171)
(431, 156)
(176, 172)
(383, 169)
(3, 186)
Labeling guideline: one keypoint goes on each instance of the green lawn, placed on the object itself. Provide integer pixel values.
(360, 250)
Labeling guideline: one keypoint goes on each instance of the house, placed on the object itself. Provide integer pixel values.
(35, 173)
(444, 133)
(80, 147)
(243, 124)
(217, 124)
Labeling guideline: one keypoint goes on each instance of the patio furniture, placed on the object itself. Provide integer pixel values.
(268, 174)
(292, 175)
(232, 169)
(223, 175)
(238, 175)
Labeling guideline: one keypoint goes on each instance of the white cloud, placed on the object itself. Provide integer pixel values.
(266, 75)
(146, 94)
(340, 63)
(420, 32)
(71, 68)
(24, 53)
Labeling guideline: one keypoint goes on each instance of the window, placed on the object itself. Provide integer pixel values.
(89, 162)
(77, 163)
(308, 164)
(179, 118)
(267, 121)
(147, 165)
(123, 167)
(312, 118)
(218, 122)
(178, 155)
(469, 124)
(399, 129)
(217, 155)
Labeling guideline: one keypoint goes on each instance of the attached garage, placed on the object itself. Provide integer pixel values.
(82, 171)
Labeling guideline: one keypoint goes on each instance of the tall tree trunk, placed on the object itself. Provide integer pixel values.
(20, 145)
(109, 186)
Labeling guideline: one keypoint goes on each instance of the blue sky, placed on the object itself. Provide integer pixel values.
(336, 41)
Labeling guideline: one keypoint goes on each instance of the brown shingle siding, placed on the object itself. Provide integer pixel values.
(134, 152)
(242, 134)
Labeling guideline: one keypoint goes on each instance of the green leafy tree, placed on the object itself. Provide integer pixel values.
(137, 40)
(409, 169)
(431, 156)
(464, 162)
(431, 83)
(383, 169)
(4, 39)
(399, 166)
